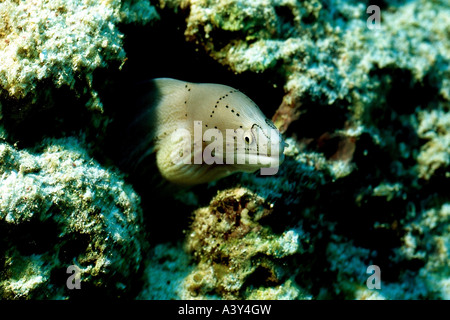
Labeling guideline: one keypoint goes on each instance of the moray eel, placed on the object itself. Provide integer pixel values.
(201, 132)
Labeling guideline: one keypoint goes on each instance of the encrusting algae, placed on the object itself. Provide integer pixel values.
(237, 254)
(58, 208)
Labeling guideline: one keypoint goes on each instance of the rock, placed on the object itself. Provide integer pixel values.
(235, 254)
(59, 208)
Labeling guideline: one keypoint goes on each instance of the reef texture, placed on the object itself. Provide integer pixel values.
(236, 256)
(61, 43)
(365, 181)
(365, 112)
(59, 208)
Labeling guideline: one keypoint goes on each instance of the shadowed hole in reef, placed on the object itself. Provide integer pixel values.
(262, 277)
(317, 117)
(161, 50)
(34, 237)
(50, 112)
(93, 287)
(88, 290)
(73, 246)
(286, 17)
(404, 93)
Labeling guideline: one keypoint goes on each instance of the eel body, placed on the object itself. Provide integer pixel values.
(201, 132)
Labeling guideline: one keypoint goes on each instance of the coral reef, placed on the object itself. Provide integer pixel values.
(425, 243)
(434, 127)
(324, 47)
(237, 256)
(52, 47)
(366, 115)
(59, 208)
(61, 40)
(364, 182)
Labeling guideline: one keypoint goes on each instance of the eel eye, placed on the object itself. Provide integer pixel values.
(248, 137)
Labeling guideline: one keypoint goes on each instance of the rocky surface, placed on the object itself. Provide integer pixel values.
(365, 113)
(59, 208)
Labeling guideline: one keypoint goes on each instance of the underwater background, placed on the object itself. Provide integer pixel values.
(363, 103)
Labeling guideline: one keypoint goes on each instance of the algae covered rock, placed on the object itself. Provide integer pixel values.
(434, 154)
(59, 208)
(237, 256)
(341, 79)
(323, 48)
(49, 44)
(424, 245)
(365, 113)
(427, 242)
